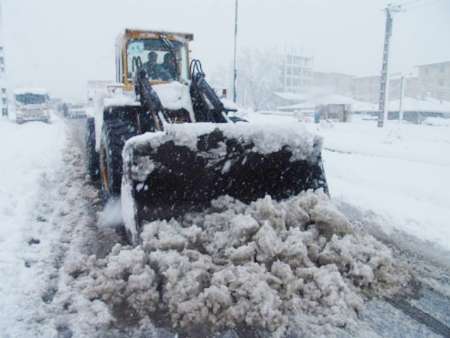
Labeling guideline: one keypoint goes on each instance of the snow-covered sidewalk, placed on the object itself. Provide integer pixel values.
(401, 173)
(30, 155)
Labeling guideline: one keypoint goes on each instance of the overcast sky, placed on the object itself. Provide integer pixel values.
(61, 44)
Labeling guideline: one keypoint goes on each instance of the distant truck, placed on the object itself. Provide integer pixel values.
(32, 105)
(75, 111)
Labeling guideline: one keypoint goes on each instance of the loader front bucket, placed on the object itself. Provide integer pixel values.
(179, 171)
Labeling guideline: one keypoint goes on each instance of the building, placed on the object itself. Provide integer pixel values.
(435, 80)
(366, 88)
(296, 72)
(336, 83)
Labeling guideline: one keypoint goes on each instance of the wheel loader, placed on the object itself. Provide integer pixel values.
(162, 140)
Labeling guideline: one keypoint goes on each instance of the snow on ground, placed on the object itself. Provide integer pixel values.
(232, 265)
(400, 172)
(30, 155)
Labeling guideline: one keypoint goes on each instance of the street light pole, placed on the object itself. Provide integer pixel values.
(235, 52)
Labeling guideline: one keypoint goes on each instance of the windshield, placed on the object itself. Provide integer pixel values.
(30, 98)
(162, 61)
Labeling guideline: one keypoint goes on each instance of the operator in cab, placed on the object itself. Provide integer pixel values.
(151, 65)
(169, 67)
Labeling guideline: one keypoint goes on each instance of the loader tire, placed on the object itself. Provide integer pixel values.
(114, 135)
(92, 158)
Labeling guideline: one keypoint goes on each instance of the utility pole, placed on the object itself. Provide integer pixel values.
(384, 83)
(235, 52)
(402, 96)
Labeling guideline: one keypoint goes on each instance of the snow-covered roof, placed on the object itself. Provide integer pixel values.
(332, 99)
(409, 104)
(312, 102)
(300, 106)
(291, 96)
(37, 91)
(426, 105)
(364, 106)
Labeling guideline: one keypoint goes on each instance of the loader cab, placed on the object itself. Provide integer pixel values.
(164, 56)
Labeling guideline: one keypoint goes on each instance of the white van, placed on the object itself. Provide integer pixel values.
(32, 105)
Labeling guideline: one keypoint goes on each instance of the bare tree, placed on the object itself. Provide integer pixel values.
(258, 78)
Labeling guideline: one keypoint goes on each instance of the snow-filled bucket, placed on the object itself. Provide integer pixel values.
(185, 167)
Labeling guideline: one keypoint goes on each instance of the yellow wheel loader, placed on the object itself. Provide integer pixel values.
(163, 141)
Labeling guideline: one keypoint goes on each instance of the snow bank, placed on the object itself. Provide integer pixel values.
(31, 160)
(279, 266)
(437, 122)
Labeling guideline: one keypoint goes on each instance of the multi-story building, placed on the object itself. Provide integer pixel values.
(296, 72)
(434, 79)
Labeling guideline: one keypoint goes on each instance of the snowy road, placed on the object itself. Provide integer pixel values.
(49, 218)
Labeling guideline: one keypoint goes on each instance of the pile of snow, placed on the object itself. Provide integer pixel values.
(291, 265)
(437, 122)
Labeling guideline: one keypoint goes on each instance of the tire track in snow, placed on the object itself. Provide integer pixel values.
(429, 301)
